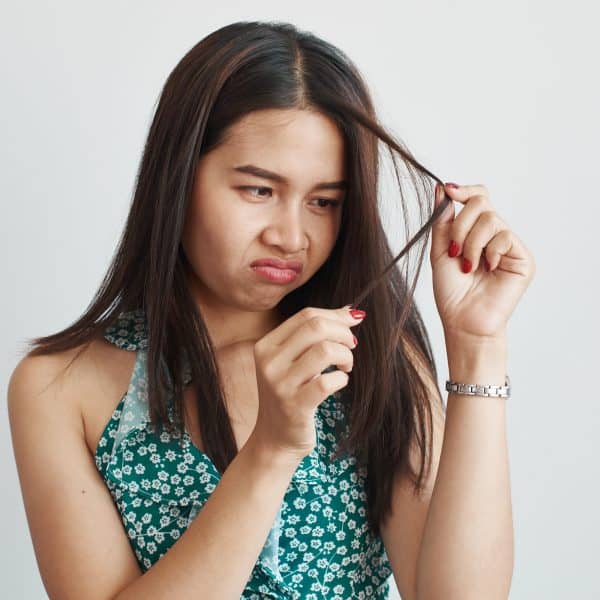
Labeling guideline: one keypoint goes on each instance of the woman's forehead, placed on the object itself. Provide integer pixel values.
(284, 127)
(284, 143)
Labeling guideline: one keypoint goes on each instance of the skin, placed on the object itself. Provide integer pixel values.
(228, 227)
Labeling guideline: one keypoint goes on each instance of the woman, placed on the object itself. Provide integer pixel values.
(215, 425)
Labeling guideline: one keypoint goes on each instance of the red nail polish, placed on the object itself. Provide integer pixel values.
(453, 249)
(452, 185)
(355, 340)
(358, 314)
(487, 264)
(466, 265)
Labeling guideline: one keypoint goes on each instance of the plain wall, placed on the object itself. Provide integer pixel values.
(504, 94)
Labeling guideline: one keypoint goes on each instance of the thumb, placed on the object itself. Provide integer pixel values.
(440, 230)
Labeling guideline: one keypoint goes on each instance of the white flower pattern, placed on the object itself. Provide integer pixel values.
(320, 545)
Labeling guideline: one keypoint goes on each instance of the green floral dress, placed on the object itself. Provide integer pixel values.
(320, 544)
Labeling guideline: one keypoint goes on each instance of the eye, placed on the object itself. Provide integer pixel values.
(332, 203)
(254, 187)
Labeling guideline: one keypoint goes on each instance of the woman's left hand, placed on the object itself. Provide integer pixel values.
(475, 303)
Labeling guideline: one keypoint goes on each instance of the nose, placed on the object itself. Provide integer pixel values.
(287, 228)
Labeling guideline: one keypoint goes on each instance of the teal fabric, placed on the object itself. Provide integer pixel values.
(320, 544)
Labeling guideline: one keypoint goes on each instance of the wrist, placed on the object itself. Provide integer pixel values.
(477, 360)
(271, 458)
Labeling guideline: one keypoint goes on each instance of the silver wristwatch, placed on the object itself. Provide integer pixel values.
(473, 389)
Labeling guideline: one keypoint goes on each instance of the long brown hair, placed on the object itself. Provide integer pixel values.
(242, 67)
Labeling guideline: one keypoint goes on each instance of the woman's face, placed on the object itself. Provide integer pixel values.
(236, 217)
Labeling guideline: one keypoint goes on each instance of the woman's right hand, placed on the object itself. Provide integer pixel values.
(289, 361)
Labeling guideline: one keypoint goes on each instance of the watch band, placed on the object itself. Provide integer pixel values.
(473, 389)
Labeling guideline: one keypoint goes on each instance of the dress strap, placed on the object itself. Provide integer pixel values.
(130, 332)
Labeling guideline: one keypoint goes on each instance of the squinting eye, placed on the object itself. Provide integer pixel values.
(255, 187)
(332, 203)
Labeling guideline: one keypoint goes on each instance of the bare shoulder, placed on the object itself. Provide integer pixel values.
(74, 388)
(36, 379)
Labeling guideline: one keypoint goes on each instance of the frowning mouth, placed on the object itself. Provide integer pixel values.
(274, 274)
(293, 265)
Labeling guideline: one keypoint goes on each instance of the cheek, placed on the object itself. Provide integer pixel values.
(209, 234)
(331, 229)
(222, 213)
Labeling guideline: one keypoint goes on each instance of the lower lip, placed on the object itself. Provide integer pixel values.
(276, 275)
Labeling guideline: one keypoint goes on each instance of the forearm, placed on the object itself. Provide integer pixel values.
(467, 545)
(214, 558)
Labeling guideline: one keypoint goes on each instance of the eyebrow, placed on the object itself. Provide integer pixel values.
(259, 172)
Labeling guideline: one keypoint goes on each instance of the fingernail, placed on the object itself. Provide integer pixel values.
(452, 185)
(466, 265)
(358, 314)
(355, 340)
(453, 248)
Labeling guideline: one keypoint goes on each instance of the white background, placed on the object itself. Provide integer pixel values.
(504, 94)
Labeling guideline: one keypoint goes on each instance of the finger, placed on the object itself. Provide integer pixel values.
(507, 252)
(487, 225)
(465, 221)
(463, 192)
(326, 385)
(311, 364)
(318, 331)
(440, 230)
(277, 336)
